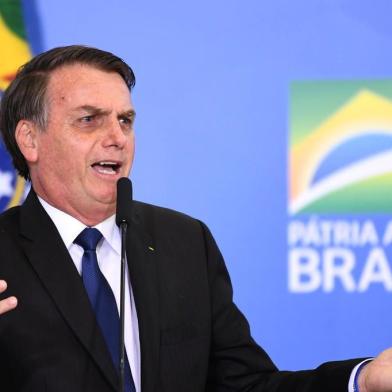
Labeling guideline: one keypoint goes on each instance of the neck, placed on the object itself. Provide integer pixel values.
(89, 217)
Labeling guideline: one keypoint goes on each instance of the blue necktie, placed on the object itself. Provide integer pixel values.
(102, 300)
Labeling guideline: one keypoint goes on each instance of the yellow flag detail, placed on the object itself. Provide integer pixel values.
(14, 53)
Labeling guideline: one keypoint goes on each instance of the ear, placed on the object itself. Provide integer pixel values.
(26, 137)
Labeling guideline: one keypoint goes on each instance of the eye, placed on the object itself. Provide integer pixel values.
(87, 119)
(90, 120)
(126, 122)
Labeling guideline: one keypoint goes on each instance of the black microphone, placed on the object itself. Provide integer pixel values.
(123, 219)
(124, 197)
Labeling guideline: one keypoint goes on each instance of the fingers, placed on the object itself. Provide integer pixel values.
(8, 303)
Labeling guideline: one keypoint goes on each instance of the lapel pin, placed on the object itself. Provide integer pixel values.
(151, 248)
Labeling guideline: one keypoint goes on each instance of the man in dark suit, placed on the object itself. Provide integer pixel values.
(67, 120)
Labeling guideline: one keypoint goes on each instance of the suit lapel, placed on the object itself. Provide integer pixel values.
(143, 273)
(50, 259)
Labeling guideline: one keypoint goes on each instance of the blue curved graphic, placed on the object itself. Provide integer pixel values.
(353, 150)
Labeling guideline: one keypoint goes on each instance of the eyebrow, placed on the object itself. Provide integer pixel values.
(128, 113)
(98, 111)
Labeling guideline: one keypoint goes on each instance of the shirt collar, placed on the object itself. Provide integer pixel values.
(69, 227)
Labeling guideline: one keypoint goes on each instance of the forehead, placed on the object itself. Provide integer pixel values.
(80, 84)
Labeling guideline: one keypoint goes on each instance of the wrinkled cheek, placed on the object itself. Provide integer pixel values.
(131, 156)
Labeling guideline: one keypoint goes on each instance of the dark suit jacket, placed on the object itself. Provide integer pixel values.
(193, 338)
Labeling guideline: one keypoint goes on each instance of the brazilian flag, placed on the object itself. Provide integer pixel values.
(14, 52)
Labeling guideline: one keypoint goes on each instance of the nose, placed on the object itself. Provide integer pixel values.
(114, 135)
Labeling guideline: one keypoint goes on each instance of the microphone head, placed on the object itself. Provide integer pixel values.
(124, 198)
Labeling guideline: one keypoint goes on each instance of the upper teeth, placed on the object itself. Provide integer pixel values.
(107, 163)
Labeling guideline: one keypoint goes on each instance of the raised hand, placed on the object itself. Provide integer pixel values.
(376, 376)
(9, 303)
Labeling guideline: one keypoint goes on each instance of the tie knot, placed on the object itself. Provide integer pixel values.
(88, 239)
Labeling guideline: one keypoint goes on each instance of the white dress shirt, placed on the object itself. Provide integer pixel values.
(108, 255)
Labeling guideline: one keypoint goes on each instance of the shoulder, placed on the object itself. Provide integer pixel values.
(9, 229)
(155, 217)
(156, 214)
(9, 219)
(165, 223)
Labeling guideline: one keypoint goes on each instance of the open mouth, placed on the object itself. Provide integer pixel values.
(106, 167)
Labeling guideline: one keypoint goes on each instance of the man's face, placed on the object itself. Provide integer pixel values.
(88, 143)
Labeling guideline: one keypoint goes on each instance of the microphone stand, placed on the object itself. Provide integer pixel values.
(123, 232)
(123, 218)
